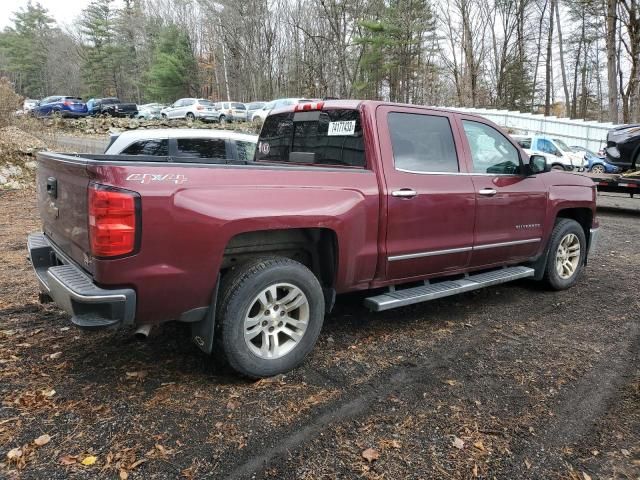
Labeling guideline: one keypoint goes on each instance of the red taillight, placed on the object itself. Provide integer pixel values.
(199, 107)
(68, 103)
(112, 221)
(302, 107)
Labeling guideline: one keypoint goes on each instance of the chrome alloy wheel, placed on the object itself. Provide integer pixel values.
(276, 321)
(568, 256)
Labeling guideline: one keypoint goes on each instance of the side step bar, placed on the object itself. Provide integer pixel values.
(424, 293)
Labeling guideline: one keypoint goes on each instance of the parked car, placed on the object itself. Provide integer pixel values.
(623, 147)
(595, 163)
(60, 105)
(184, 142)
(150, 111)
(252, 254)
(231, 112)
(111, 106)
(191, 109)
(261, 114)
(558, 154)
(252, 108)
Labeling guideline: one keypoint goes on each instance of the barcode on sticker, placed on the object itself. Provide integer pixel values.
(342, 128)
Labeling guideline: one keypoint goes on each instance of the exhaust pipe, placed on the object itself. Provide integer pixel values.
(142, 332)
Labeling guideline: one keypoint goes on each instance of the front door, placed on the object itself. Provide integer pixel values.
(430, 200)
(510, 206)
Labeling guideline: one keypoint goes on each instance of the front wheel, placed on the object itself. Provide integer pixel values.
(567, 250)
(270, 313)
(190, 117)
(597, 168)
(222, 120)
(557, 166)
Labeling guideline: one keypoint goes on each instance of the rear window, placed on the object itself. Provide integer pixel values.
(208, 103)
(246, 150)
(332, 137)
(158, 148)
(202, 148)
(238, 106)
(524, 142)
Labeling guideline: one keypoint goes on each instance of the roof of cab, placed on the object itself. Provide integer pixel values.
(186, 133)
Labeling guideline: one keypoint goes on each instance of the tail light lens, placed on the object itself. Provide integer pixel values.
(114, 218)
(68, 103)
(200, 107)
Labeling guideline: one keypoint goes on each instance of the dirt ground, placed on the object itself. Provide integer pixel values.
(508, 382)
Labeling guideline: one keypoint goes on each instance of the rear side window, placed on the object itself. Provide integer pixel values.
(332, 138)
(238, 106)
(148, 147)
(524, 142)
(202, 148)
(422, 143)
(246, 150)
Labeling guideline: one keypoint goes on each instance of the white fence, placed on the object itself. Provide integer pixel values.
(591, 135)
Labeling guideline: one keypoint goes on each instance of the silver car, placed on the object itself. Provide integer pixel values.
(191, 109)
(150, 111)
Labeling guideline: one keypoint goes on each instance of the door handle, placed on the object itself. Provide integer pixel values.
(489, 192)
(404, 193)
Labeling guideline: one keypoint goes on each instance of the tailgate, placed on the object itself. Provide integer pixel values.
(62, 183)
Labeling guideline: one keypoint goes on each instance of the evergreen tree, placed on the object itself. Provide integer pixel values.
(25, 48)
(173, 69)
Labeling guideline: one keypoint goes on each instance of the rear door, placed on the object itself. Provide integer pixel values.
(62, 202)
(429, 197)
(510, 206)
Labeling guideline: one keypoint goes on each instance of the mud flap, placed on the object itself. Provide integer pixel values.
(202, 332)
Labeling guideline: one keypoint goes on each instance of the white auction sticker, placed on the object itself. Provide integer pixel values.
(342, 128)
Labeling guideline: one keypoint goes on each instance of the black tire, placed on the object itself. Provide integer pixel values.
(562, 228)
(164, 116)
(597, 168)
(190, 116)
(238, 293)
(222, 120)
(557, 166)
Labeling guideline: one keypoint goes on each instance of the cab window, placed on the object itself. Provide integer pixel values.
(422, 143)
(214, 148)
(547, 146)
(148, 147)
(491, 152)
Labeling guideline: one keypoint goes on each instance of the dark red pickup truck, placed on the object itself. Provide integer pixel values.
(408, 202)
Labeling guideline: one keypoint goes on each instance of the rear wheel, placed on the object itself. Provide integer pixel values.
(597, 168)
(222, 120)
(270, 314)
(190, 116)
(567, 250)
(164, 116)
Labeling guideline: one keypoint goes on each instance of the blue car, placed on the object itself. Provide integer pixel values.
(61, 106)
(596, 164)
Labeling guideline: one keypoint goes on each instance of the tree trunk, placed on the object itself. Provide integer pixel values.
(562, 67)
(548, 78)
(612, 60)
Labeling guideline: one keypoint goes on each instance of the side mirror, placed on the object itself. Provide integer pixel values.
(538, 164)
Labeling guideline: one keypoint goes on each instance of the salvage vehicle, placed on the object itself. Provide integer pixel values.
(112, 107)
(558, 154)
(177, 143)
(623, 147)
(408, 203)
(60, 106)
(595, 163)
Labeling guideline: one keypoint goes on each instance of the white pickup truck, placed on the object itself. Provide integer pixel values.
(559, 156)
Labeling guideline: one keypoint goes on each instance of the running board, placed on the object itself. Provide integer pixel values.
(424, 293)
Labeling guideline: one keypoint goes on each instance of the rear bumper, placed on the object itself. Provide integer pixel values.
(72, 114)
(91, 307)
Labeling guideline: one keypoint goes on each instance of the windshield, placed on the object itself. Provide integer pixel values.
(563, 146)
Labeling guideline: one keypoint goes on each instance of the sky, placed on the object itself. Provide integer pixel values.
(63, 11)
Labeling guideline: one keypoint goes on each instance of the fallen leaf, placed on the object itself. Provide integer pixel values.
(233, 404)
(475, 470)
(137, 463)
(136, 375)
(370, 455)
(55, 356)
(453, 383)
(14, 454)
(479, 445)
(527, 463)
(42, 440)
(586, 476)
(458, 443)
(123, 475)
(625, 452)
(88, 461)
(49, 393)
(161, 449)
(68, 460)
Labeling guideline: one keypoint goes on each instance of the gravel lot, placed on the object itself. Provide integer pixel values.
(509, 382)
